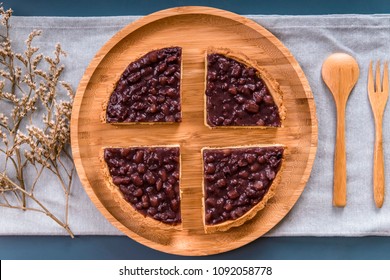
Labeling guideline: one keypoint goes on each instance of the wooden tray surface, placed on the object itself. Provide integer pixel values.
(194, 29)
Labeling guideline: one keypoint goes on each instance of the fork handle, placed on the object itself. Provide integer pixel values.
(379, 170)
(340, 170)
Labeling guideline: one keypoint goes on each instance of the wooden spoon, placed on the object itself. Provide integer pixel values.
(340, 73)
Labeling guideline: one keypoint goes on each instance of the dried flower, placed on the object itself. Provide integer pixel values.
(3, 120)
(25, 90)
(3, 137)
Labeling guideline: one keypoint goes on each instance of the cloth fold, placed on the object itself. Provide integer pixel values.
(310, 39)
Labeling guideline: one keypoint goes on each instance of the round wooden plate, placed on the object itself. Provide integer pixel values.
(194, 29)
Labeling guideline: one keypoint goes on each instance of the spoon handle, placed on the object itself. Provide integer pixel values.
(379, 172)
(340, 171)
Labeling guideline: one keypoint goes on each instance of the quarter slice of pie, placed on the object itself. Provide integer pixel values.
(237, 183)
(148, 178)
(240, 93)
(148, 91)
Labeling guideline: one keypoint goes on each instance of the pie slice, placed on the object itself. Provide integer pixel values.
(239, 93)
(238, 182)
(148, 91)
(148, 178)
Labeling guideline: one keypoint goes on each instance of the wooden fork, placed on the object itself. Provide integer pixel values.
(378, 97)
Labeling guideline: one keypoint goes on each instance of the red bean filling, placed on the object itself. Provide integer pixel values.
(149, 89)
(149, 180)
(236, 96)
(237, 179)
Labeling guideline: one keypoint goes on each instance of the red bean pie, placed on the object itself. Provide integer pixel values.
(148, 91)
(239, 93)
(148, 178)
(238, 182)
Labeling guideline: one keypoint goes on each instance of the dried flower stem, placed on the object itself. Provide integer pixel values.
(26, 87)
(42, 210)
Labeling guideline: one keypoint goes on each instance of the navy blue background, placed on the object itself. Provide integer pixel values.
(114, 247)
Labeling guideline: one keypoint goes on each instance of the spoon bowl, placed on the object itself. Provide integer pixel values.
(340, 72)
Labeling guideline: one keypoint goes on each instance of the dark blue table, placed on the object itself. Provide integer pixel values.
(109, 247)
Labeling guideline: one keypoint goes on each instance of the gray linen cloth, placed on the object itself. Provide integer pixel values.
(310, 39)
